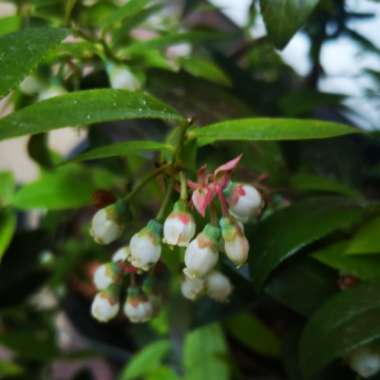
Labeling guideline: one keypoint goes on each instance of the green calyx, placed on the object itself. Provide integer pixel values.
(155, 227)
(229, 189)
(133, 292)
(121, 208)
(180, 206)
(212, 232)
(229, 228)
(112, 292)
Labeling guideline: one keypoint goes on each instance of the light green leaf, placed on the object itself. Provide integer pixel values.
(284, 17)
(363, 267)
(253, 333)
(205, 354)
(366, 240)
(346, 321)
(259, 129)
(7, 229)
(84, 108)
(146, 361)
(22, 51)
(7, 186)
(67, 187)
(123, 148)
(162, 373)
(287, 231)
(9, 24)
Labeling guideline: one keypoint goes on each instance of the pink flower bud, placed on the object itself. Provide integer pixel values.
(179, 226)
(244, 201)
(236, 244)
(202, 253)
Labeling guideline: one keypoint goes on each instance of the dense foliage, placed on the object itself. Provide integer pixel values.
(162, 88)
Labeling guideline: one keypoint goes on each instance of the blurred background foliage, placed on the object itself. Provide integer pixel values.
(311, 292)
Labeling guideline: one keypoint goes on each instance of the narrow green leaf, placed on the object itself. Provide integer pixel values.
(302, 286)
(7, 229)
(287, 231)
(284, 17)
(366, 240)
(364, 267)
(346, 321)
(67, 187)
(7, 185)
(205, 354)
(146, 361)
(84, 108)
(22, 51)
(123, 148)
(253, 333)
(258, 129)
(162, 373)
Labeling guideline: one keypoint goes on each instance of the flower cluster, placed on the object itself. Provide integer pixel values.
(226, 205)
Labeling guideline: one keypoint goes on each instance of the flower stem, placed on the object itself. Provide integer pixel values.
(165, 203)
(183, 181)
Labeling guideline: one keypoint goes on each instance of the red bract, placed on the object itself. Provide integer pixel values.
(209, 185)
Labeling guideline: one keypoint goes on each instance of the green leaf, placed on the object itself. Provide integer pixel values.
(127, 11)
(287, 231)
(205, 354)
(22, 51)
(284, 17)
(146, 361)
(10, 369)
(67, 187)
(314, 183)
(84, 108)
(123, 148)
(253, 333)
(7, 186)
(162, 373)
(9, 24)
(346, 321)
(364, 267)
(259, 129)
(302, 286)
(366, 240)
(7, 229)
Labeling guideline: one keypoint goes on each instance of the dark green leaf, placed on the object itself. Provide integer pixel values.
(84, 108)
(302, 286)
(7, 229)
(287, 231)
(205, 354)
(257, 129)
(346, 321)
(365, 267)
(366, 240)
(146, 361)
(284, 17)
(38, 150)
(123, 149)
(314, 183)
(253, 333)
(69, 186)
(10, 369)
(22, 51)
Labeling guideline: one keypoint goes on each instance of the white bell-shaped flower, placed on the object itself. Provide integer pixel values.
(365, 361)
(107, 224)
(145, 246)
(105, 305)
(121, 255)
(106, 275)
(202, 253)
(236, 244)
(179, 226)
(138, 307)
(192, 288)
(51, 91)
(244, 200)
(218, 286)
